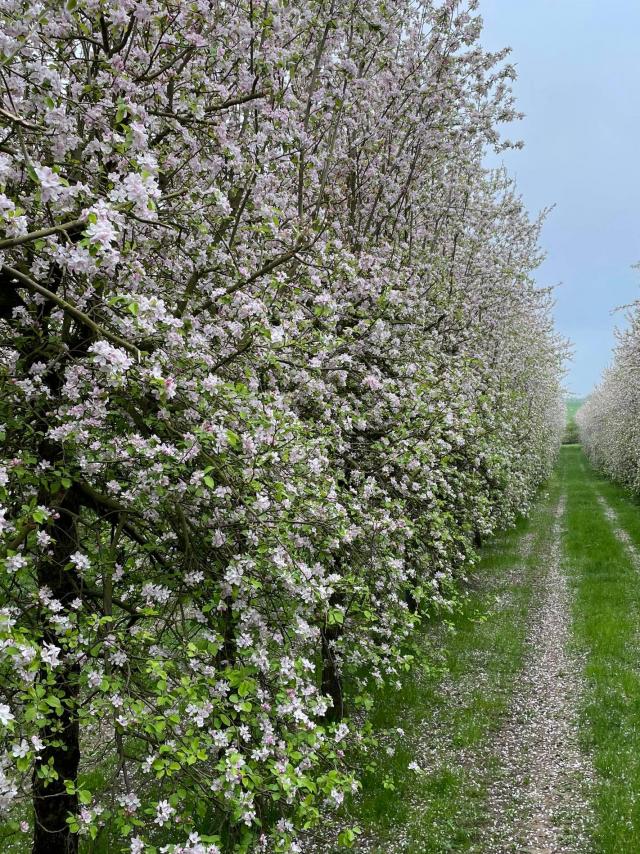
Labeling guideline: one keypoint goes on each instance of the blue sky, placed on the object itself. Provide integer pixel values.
(578, 82)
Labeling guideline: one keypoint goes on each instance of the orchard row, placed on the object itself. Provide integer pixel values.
(272, 365)
(609, 421)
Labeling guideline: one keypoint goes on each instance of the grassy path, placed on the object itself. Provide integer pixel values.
(601, 544)
(540, 800)
(520, 730)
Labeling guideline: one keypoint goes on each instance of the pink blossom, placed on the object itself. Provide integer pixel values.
(50, 655)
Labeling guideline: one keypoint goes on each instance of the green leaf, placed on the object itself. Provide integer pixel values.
(245, 687)
(335, 617)
(54, 703)
(23, 763)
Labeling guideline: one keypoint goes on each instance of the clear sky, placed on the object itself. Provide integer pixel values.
(578, 65)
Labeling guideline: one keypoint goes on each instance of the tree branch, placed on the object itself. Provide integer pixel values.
(43, 232)
(71, 310)
(18, 120)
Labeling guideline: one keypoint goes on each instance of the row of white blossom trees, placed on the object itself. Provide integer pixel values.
(609, 421)
(271, 365)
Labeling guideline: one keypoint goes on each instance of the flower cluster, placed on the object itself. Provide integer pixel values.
(272, 364)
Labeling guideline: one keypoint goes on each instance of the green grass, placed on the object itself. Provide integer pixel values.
(571, 435)
(457, 697)
(606, 625)
(460, 693)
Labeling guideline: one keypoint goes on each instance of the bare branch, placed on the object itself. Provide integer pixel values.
(71, 310)
(43, 232)
(18, 120)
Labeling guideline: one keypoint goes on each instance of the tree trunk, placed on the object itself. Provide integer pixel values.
(331, 682)
(411, 601)
(51, 803)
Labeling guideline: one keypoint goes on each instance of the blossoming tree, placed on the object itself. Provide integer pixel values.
(609, 421)
(272, 365)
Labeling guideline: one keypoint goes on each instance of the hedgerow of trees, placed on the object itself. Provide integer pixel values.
(272, 365)
(609, 421)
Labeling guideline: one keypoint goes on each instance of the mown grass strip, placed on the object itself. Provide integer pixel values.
(452, 705)
(606, 624)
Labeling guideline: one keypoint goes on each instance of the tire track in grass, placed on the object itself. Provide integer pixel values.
(456, 747)
(442, 765)
(434, 728)
(619, 531)
(540, 799)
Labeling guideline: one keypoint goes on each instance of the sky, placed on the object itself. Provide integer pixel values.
(578, 65)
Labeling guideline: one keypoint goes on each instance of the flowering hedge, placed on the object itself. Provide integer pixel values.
(272, 364)
(609, 420)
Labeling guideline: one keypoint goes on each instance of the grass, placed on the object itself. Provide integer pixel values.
(458, 697)
(606, 623)
(461, 692)
(571, 435)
